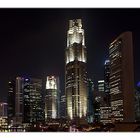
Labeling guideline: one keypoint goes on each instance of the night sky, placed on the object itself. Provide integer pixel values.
(33, 41)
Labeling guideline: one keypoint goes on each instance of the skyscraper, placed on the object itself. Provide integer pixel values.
(122, 78)
(11, 101)
(3, 116)
(52, 98)
(63, 106)
(106, 81)
(75, 71)
(105, 109)
(100, 103)
(3, 109)
(19, 100)
(28, 101)
(90, 102)
(33, 100)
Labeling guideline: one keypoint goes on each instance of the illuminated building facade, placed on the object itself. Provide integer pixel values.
(52, 98)
(3, 109)
(122, 78)
(96, 104)
(3, 116)
(28, 101)
(99, 100)
(11, 101)
(75, 71)
(33, 100)
(105, 108)
(106, 81)
(101, 86)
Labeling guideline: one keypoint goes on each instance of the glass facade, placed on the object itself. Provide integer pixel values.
(29, 101)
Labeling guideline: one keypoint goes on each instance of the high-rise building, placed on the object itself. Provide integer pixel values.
(102, 108)
(3, 116)
(105, 109)
(28, 101)
(33, 100)
(11, 101)
(52, 98)
(122, 78)
(106, 81)
(90, 102)
(96, 104)
(19, 100)
(3, 109)
(101, 86)
(75, 71)
(100, 103)
(63, 106)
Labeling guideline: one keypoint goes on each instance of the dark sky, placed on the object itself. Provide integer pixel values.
(33, 41)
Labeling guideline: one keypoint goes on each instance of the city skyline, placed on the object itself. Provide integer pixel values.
(27, 39)
(78, 99)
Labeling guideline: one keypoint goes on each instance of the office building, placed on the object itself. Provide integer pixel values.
(96, 104)
(28, 101)
(3, 109)
(101, 86)
(106, 82)
(105, 108)
(90, 102)
(11, 102)
(33, 101)
(122, 78)
(75, 71)
(52, 98)
(63, 106)
(19, 101)
(3, 116)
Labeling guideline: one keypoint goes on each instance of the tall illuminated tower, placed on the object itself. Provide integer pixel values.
(75, 71)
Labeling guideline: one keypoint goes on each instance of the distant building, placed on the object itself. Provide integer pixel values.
(75, 72)
(63, 106)
(52, 98)
(90, 102)
(105, 108)
(106, 81)
(19, 101)
(11, 101)
(96, 104)
(3, 109)
(98, 100)
(28, 101)
(102, 109)
(137, 102)
(3, 116)
(101, 86)
(122, 78)
(33, 100)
